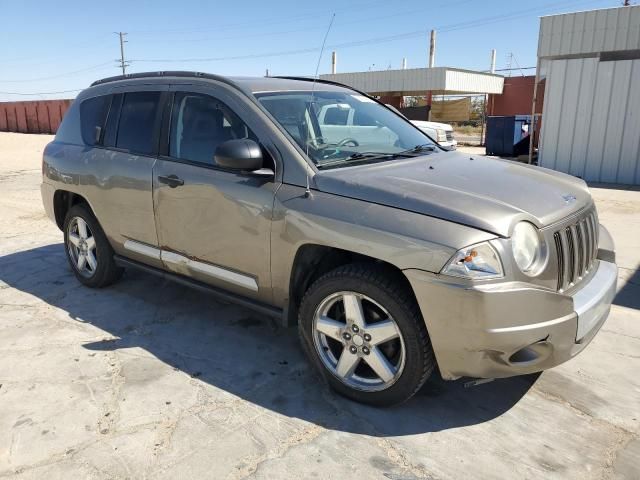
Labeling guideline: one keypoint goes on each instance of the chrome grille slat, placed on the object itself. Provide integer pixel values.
(582, 248)
(559, 250)
(571, 252)
(594, 220)
(576, 249)
(589, 242)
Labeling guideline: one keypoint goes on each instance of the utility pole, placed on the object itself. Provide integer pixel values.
(123, 64)
(485, 101)
(534, 101)
(404, 63)
(432, 50)
(334, 62)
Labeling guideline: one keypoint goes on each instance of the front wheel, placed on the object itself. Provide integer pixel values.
(363, 330)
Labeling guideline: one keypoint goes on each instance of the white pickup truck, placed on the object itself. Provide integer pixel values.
(440, 132)
(339, 121)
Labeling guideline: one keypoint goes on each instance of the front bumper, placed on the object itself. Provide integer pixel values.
(511, 328)
(450, 144)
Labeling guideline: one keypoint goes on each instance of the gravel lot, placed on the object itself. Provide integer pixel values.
(150, 379)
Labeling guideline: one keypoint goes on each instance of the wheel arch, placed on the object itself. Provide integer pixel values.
(63, 200)
(311, 261)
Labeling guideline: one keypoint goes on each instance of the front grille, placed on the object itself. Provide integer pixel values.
(449, 135)
(576, 248)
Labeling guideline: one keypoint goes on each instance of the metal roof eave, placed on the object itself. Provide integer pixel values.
(445, 80)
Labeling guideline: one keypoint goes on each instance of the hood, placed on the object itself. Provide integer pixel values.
(486, 193)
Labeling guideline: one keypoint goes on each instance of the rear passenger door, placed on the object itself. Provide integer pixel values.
(125, 147)
(213, 224)
(130, 141)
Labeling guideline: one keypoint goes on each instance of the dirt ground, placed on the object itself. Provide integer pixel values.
(148, 379)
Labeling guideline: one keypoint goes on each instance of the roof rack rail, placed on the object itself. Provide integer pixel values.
(328, 82)
(177, 73)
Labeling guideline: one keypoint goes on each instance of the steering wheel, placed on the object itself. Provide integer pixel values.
(345, 141)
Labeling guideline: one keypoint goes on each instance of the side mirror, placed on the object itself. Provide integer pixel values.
(243, 155)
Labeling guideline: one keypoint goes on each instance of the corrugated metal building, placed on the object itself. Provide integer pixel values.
(591, 113)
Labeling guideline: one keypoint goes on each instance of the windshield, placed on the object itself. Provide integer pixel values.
(337, 127)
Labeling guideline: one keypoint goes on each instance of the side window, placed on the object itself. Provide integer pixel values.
(363, 119)
(93, 113)
(336, 116)
(137, 125)
(199, 123)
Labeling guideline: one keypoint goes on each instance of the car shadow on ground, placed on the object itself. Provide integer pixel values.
(629, 295)
(241, 352)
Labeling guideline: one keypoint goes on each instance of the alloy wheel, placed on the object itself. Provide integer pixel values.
(82, 247)
(358, 341)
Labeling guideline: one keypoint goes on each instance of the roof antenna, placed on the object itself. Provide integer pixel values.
(315, 77)
(307, 192)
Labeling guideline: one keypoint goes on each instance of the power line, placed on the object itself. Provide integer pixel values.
(510, 16)
(67, 74)
(519, 68)
(356, 43)
(418, 33)
(338, 23)
(269, 21)
(42, 93)
(370, 41)
(79, 45)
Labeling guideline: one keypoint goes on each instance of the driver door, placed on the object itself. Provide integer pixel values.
(213, 224)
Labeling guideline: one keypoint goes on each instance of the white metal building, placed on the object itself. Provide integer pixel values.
(417, 81)
(591, 113)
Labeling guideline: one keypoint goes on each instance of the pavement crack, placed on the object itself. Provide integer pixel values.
(395, 454)
(605, 330)
(248, 466)
(580, 412)
(111, 409)
(624, 437)
(400, 458)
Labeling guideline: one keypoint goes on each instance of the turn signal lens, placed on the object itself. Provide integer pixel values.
(478, 262)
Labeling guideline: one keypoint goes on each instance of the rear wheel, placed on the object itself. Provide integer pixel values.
(364, 332)
(89, 253)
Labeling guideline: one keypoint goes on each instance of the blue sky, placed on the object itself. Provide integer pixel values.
(58, 46)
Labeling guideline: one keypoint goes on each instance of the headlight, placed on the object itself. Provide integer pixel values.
(442, 135)
(479, 261)
(529, 250)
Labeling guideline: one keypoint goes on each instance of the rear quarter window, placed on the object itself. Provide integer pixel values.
(93, 113)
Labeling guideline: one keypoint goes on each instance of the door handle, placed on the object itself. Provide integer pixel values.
(172, 180)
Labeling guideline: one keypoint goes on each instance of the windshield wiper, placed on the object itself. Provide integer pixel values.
(369, 155)
(426, 147)
(362, 156)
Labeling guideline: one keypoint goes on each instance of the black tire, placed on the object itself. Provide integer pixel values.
(388, 289)
(106, 272)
